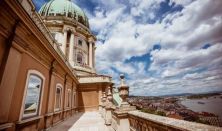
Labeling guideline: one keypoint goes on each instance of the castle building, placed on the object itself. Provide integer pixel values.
(69, 26)
(47, 75)
(47, 64)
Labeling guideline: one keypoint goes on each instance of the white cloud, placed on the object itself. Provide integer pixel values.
(180, 62)
(181, 2)
(103, 19)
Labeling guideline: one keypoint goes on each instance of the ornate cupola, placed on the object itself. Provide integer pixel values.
(64, 8)
(69, 26)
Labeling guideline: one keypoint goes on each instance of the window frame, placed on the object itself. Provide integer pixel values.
(74, 99)
(38, 110)
(61, 92)
(69, 98)
(82, 59)
(80, 45)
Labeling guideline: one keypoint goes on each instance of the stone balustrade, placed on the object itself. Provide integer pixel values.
(140, 121)
(126, 118)
(82, 67)
(95, 79)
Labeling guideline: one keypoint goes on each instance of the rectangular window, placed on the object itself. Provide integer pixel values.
(80, 58)
(58, 98)
(33, 95)
(74, 99)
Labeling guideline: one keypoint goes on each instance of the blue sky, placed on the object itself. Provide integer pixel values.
(162, 46)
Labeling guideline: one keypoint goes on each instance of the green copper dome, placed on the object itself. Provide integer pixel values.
(64, 8)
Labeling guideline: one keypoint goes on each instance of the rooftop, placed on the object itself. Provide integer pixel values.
(88, 121)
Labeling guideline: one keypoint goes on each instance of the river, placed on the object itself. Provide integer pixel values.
(212, 105)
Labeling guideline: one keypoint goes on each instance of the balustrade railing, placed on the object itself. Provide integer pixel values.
(140, 121)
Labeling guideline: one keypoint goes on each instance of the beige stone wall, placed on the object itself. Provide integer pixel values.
(88, 97)
(30, 50)
(2, 48)
(8, 84)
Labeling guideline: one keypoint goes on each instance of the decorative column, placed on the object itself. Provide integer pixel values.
(64, 42)
(90, 53)
(71, 49)
(94, 48)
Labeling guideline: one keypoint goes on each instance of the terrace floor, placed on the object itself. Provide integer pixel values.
(88, 121)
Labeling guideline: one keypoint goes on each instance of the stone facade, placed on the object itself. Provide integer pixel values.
(32, 61)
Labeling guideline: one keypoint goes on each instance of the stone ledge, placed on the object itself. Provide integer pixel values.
(170, 122)
(94, 79)
(6, 126)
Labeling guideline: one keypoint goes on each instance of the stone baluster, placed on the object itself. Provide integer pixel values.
(109, 107)
(120, 115)
(123, 91)
(103, 104)
(109, 95)
(100, 99)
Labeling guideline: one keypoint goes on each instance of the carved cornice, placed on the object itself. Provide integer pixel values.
(71, 29)
(68, 21)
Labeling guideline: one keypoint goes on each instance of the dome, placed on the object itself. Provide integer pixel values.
(64, 8)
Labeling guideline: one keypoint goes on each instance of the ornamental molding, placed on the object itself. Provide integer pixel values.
(69, 28)
(91, 40)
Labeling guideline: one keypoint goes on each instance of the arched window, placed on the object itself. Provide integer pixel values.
(80, 58)
(80, 42)
(58, 97)
(33, 93)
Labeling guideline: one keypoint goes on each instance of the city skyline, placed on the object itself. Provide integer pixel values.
(163, 47)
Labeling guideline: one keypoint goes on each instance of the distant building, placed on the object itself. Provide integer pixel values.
(175, 116)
